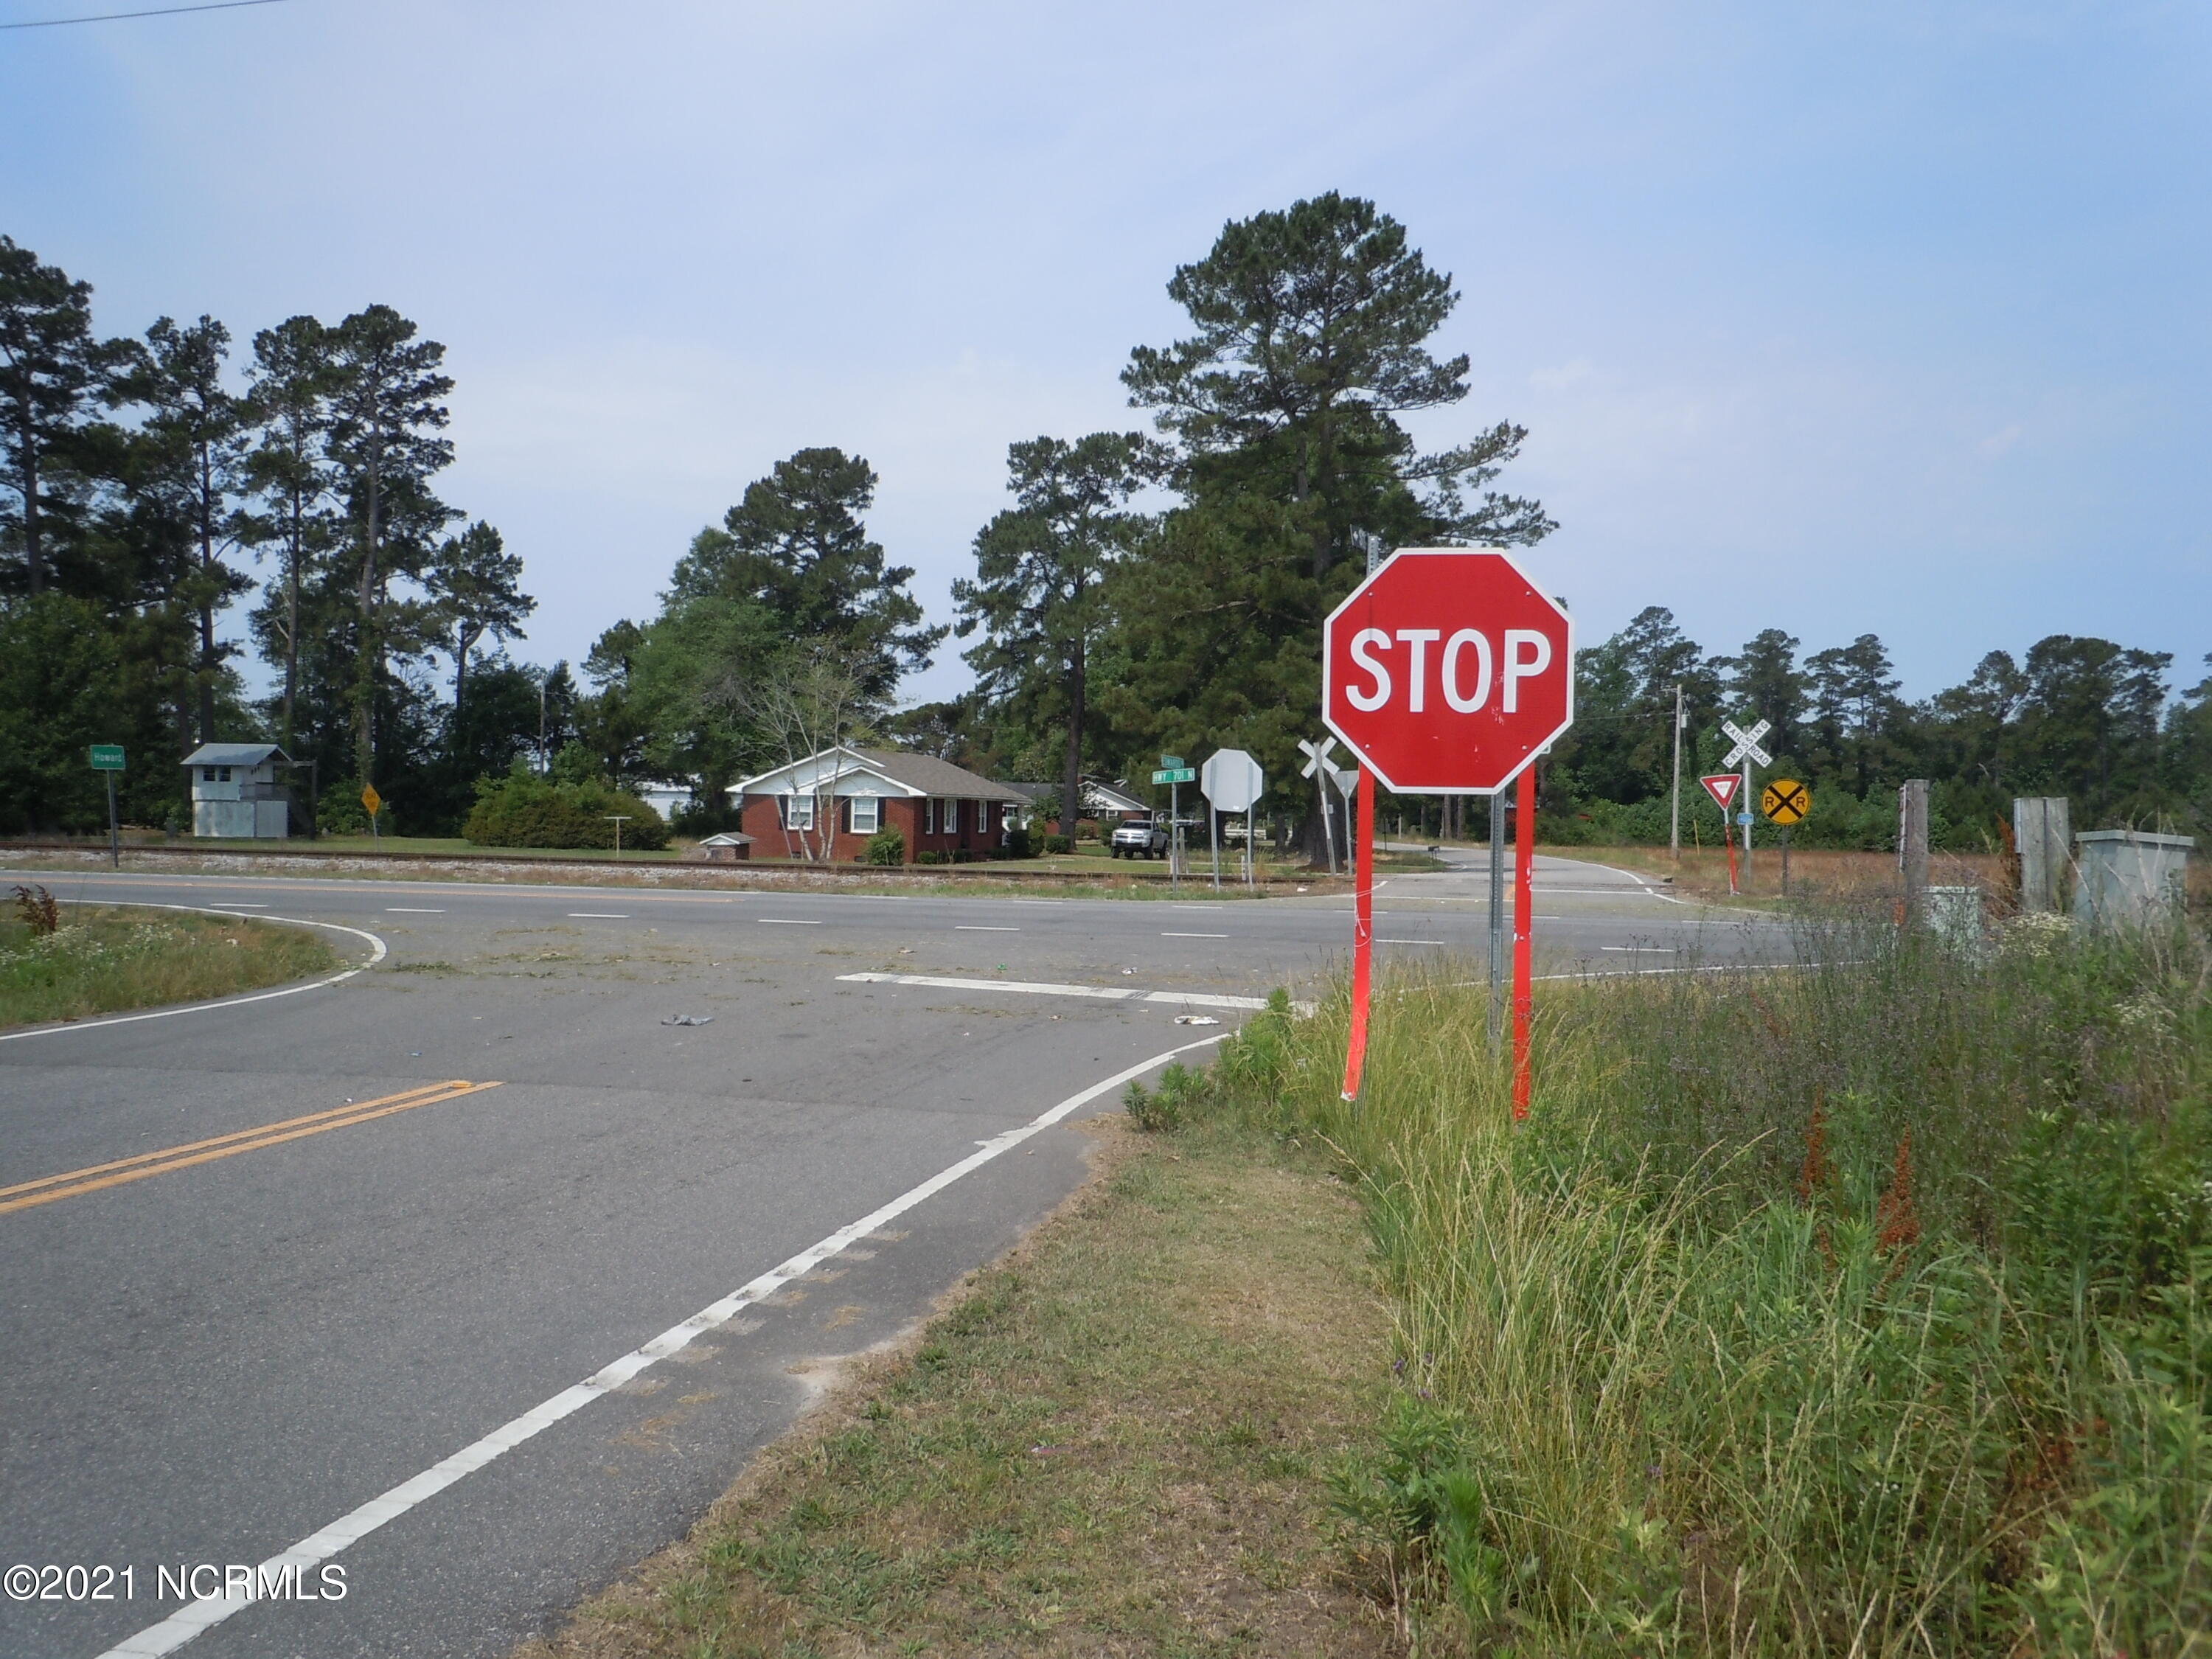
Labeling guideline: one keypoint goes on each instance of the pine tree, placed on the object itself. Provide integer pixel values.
(1039, 574)
(386, 408)
(194, 435)
(50, 366)
(288, 404)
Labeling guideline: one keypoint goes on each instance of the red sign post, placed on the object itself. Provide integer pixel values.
(1723, 787)
(1448, 672)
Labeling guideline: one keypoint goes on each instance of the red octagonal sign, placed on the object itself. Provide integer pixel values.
(1448, 671)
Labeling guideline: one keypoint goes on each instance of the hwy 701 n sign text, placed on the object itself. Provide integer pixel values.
(1448, 671)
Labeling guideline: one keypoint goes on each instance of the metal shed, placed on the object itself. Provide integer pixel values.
(235, 794)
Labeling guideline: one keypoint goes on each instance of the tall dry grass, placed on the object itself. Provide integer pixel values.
(1858, 1308)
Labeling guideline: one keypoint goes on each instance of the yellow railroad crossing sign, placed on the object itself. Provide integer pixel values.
(371, 802)
(1785, 801)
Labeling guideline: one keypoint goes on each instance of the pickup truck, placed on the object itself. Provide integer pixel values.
(1139, 838)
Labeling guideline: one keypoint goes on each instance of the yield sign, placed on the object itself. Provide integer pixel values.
(1746, 743)
(1721, 786)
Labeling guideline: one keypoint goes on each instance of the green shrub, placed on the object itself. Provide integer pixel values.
(526, 810)
(929, 856)
(1060, 843)
(887, 846)
(1018, 844)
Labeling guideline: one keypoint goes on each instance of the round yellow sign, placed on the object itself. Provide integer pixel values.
(1785, 801)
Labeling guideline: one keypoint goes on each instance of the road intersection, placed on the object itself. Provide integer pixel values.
(288, 1257)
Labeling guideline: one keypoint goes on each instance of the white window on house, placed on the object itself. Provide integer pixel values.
(929, 815)
(798, 812)
(207, 774)
(867, 814)
(225, 775)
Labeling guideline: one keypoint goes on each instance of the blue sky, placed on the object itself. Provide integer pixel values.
(1885, 317)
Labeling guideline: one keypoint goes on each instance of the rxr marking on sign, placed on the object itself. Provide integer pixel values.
(1786, 801)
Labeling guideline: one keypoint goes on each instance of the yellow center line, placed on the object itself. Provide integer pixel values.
(96, 1178)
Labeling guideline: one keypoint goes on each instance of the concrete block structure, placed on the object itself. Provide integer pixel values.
(2129, 878)
(2042, 831)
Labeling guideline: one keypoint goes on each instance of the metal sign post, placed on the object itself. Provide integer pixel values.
(1496, 921)
(1746, 749)
(1723, 787)
(1316, 765)
(107, 761)
(1231, 781)
(1448, 671)
(618, 819)
(1174, 774)
(1786, 803)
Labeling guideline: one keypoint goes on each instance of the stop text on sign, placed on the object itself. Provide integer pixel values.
(1523, 653)
(1447, 670)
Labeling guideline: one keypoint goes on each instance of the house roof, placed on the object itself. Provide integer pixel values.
(909, 775)
(1096, 797)
(727, 838)
(233, 754)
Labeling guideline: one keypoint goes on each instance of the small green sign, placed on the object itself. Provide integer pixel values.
(1176, 774)
(1171, 762)
(108, 757)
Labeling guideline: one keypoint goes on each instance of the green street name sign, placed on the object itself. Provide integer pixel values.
(1176, 774)
(1171, 761)
(108, 757)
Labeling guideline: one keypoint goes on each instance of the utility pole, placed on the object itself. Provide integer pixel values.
(1674, 796)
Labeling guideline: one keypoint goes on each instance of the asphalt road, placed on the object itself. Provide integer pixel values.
(217, 1360)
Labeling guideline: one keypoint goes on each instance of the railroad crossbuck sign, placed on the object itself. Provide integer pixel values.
(1785, 801)
(1448, 671)
(1746, 743)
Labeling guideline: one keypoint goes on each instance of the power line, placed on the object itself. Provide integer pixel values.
(158, 11)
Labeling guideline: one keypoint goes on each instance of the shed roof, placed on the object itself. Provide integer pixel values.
(725, 838)
(233, 753)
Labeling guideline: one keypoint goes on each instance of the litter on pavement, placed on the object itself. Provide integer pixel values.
(1196, 1019)
(691, 1019)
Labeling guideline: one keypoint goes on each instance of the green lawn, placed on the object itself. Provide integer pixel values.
(104, 959)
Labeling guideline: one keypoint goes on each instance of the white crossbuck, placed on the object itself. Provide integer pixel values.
(1746, 743)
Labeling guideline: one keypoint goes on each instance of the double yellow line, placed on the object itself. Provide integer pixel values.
(75, 1183)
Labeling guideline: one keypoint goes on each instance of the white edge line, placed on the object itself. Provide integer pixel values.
(181, 1626)
(378, 954)
(1647, 886)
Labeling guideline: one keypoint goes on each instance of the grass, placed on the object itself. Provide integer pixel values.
(1118, 1441)
(1860, 1309)
(100, 959)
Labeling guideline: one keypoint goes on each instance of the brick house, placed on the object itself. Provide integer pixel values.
(851, 794)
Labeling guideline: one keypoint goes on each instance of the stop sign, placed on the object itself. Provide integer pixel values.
(1448, 671)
